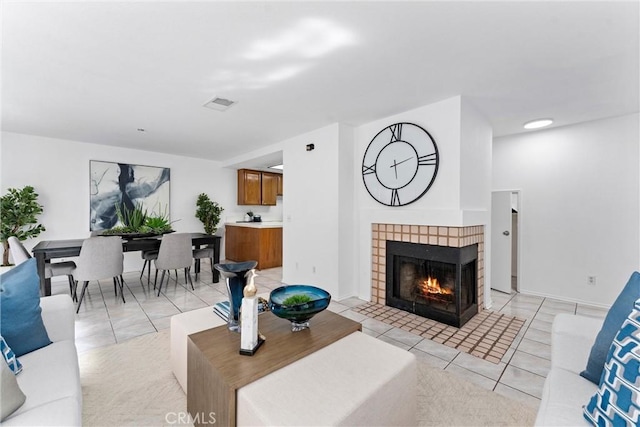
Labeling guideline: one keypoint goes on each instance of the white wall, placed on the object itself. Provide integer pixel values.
(579, 206)
(442, 121)
(59, 171)
(317, 208)
(347, 231)
(311, 210)
(476, 137)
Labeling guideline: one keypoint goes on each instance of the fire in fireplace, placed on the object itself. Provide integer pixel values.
(437, 282)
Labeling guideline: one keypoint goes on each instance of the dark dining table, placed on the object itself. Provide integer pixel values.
(47, 250)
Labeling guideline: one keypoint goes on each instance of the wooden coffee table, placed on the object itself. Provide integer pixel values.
(216, 370)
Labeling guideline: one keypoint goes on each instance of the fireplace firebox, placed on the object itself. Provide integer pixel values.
(437, 282)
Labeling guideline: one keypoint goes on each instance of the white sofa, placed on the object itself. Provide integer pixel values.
(50, 377)
(565, 392)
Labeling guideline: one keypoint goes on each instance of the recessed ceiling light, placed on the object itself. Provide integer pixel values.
(220, 104)
(281, 167)
(141, 130)
(538, 123)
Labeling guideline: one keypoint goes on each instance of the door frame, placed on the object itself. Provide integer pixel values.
(518, 193)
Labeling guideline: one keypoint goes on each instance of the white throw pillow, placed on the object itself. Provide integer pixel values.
(11, 397)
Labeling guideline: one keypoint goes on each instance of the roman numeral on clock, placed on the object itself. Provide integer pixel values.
(395, 198)
(396, 132)
(366, 170)
(428, 160)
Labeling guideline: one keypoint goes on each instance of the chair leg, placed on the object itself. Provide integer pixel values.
(146, 261)
(84, 288)
(197, 268)
(72, 288)
(185, 276)
(75, 290)
(148, 272)
(156, 278)
(115, 286)
(187, 272)
(161, 280)
(121, 281)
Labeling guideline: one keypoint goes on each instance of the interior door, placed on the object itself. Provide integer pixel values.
(501, 234)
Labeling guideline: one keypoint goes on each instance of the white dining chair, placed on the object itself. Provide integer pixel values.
(200, 254)
(64, 268)
(100, 258)
(148, 257)
(175, 252)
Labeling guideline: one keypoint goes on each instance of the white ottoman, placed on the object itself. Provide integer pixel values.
(358, 380)
(183, 325)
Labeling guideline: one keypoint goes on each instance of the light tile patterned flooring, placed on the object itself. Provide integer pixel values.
(488, 335)
(104, 320)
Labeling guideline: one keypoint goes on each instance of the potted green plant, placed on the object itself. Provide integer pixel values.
(137, 221)
(208, 212)
(19, 209)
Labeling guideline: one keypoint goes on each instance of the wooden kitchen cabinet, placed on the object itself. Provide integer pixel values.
(280, 184)
(257, 188)
(254, 244)
(249, 187)
(269, 188)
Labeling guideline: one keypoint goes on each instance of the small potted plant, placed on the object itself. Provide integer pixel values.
(208, 212)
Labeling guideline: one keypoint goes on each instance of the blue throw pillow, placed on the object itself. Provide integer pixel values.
(10, 357)
(617, 314)
(617, 401)
(20, 313)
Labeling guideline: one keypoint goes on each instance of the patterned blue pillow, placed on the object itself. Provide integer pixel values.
(617, 401)
(617, 314)
(9, 357)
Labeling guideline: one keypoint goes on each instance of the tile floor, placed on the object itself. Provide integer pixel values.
(488, 335)
(103, 319)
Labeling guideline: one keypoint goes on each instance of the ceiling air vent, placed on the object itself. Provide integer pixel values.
(220, 104)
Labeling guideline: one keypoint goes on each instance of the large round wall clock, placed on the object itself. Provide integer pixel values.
(400, 164)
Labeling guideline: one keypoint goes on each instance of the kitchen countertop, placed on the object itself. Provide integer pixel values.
(263, 224)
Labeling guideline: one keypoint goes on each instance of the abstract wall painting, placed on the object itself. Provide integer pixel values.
(124, 185)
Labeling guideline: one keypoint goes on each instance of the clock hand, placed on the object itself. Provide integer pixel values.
(396, 164)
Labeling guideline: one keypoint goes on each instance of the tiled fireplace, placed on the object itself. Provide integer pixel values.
(461, 242)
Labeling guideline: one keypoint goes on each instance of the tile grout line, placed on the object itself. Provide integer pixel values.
(441, 330)
(508, 363)
(142, 308)
(106, 307)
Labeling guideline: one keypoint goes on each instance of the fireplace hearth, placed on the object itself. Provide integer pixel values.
(437, 282)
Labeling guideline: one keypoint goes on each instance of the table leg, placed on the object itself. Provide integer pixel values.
(216, 260)
(45, 283)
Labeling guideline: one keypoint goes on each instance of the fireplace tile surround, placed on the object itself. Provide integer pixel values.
(456, 237)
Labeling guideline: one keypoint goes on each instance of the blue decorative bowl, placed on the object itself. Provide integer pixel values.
(298, 314)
